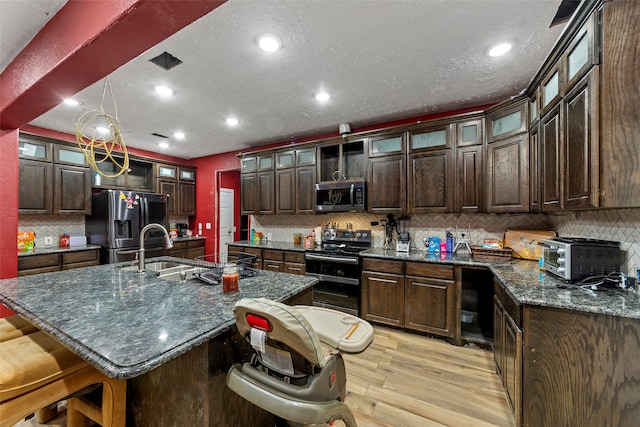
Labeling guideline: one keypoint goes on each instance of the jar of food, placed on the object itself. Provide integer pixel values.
(297, 238)
(230, 278)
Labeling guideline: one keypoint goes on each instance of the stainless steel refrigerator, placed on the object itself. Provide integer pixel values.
(117, 218)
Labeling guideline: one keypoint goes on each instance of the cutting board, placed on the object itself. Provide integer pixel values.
(525, 242)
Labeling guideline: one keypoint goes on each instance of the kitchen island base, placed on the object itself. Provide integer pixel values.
(191, 389)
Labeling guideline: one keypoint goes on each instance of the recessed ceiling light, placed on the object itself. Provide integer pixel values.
(71, 101)
(269, 43)
(178, 135)
(103, 130)
(164, 90)
(163, 145)
(231, 121)
(322, 96)
(500, 49)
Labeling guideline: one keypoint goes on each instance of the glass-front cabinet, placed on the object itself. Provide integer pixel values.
(346, 160)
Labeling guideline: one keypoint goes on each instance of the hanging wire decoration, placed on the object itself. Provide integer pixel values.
(107, 143)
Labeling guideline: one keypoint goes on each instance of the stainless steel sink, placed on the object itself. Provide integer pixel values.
(159, 266)
(183, 272)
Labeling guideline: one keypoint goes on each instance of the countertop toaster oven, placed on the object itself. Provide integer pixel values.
(576, 258)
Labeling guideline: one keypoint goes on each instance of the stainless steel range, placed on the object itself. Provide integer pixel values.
(337, 266)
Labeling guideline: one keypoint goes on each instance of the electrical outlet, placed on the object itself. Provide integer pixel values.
(48, 241)
(208, 224)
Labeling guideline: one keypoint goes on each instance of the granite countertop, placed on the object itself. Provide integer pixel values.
(186, 239)
(283, 246)
(57, 249)
(125, 324)
(527, 284)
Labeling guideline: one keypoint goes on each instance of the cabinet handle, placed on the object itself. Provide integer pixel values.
(294, 268)
(376, 279)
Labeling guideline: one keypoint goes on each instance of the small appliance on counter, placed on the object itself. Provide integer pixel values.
(182, 229)
(576, 258)
(404, 242)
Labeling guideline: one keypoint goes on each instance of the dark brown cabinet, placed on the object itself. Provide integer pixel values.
(44, 263)
(178, 183)
(54, 179)
(507, 175)
(294, 263)
(550, 178)
(383, 289)
(581, 140)
(273, 260)
(72, 190)
(534, 169)
(257, 185)
(387, 176)
(431, 299)
(469, 179)
(285, 191)
(431, 182)
(508, 347)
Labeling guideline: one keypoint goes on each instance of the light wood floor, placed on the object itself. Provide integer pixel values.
(404, 379)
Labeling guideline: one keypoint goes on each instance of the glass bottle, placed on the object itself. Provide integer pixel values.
(230, 278)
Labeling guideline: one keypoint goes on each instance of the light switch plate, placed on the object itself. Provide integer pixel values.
(208, 226)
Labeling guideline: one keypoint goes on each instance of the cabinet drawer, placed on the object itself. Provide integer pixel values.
(180, 245)
(79, 256)
(430, 270)
(38, 261)
(513, 310)
(272, 255)
(384, 266)
(80, 264)
(198, 243)
(254, 251)
(297, 257)
(294, 268)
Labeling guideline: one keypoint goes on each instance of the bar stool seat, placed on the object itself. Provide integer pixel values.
(36, 371)
(15, 326)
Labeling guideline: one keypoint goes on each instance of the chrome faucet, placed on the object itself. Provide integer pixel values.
(141, 250)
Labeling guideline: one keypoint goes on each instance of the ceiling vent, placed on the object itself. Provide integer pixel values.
(159, 135)
(166, 61)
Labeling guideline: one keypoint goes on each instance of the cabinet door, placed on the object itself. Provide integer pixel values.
(512, 368)
(265, 196)
(71, 190)
(170, 188)
(387, 184)
(431, 182)
(248, 191)
(305, 189)
(187, 198)
(34, 191)
(430, 305)
(469, 133)
(507, 179)
(534, 169)
(581, 132)
(550, 161)
(498, 336)
(383, 298)
(469, 179)
(294, 268)
(285, 191)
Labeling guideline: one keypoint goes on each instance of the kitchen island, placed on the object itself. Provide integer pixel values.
(174, 341)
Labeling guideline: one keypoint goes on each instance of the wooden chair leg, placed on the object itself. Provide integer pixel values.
(45, 415)
(75, 417)
(111, 414)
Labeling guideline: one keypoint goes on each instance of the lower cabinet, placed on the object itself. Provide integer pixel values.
(413, 295)
(507, 336)
(273, 260)
(35, 264)
(187, 249)
(431, 299)
(294, 263)
(383, 292)
(235, 249)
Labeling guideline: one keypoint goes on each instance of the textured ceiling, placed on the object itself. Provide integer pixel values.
(380, 61)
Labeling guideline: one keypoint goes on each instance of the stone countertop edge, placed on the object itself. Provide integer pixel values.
(527, 284)
(57, 249)
(283, 246)
(89, 309)
(186, 239)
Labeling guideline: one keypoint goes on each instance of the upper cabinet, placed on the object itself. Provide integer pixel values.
(257, 184)
(387, 177)
(177, 182)
(342, 160)
(507, 158)
(54, 179)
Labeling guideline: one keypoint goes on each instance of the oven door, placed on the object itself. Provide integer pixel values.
(339, 281)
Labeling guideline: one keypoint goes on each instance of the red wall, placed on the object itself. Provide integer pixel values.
(231, 179)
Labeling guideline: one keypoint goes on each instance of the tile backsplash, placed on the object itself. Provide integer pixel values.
(616, 224)
(51, 225)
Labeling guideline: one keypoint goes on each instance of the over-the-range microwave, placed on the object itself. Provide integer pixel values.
(341, 196)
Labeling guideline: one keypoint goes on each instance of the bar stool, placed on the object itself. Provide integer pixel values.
(13, 327)
(36, 371)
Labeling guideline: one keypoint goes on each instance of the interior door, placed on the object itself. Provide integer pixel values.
(226, 227)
